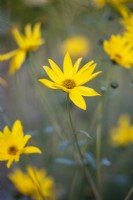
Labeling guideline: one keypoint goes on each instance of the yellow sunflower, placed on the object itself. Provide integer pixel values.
(77, 46)
(34, 183)
(119, 50)
(123, 134)
(71, 80)
(14, 143)
(30, 41)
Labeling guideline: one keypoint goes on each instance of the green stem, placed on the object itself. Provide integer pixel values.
(86, 170)
(98, 146)
(100, 110)
(129, 194)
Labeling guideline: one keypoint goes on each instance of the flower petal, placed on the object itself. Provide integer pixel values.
(78, 100)
(17, 129)
(86, 76)
(31, 149)
(7, 56)
(67, 66)
(18, 37)
(85, 91)
(76, 65)
(9, 162)
(25, 140)
(94, 75)
(28, 31)
(91, 65)
(52, 75)
(17, 61)
(56, 69)
(36, 30)
(47, 83)
(6, 131)
(84, 73)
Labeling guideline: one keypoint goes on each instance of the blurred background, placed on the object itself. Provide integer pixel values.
(66, 24)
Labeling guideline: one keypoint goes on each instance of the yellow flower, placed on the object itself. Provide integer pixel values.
(119, 50)
(128, 25)
(99, 3)
(123, 134)
(34, 183)
(115, 3)
(128, 21)
(71, 80)
(76, 45)
(13, 144)
(30, 41)
(3, 82)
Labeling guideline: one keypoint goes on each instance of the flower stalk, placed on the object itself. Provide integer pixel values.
(86, 170)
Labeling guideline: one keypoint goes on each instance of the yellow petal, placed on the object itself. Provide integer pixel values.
(67, 66)
(18, 37)
(76, 66)
(52, 75)
(17, 128)
(78, 100)
(84, 73)
(7, 56)
(25, 140)
(94, 75)
(9, 162)
(28, 31)
(89, 65)
(36, 30)
(6, 130)
(47, 83)
(31, 149)
(17, 61)
(85, 91)
(86, 77)
(56, 69)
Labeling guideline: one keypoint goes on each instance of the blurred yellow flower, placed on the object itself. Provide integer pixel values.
(123, 134)
(30, 41)
(99, 3)
(128, 21)
(13, 144)
(128, 25)
(34, 183)
(115, 3)
(3, 82)
(71, 80)
(76, 45)
(119, 50)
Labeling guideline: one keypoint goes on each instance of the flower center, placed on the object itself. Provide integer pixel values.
(69, 84)
(12, 150)
(116, 59)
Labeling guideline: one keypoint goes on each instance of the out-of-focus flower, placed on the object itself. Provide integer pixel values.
(34, 183)
(128, 25)
(76, 45)
(119, 50)
(99, 3)
(14, 143)
(3, 82)
(30, 41)
(128, 22)
(123, 134)
(119, 5)
(115, 3)
(71, 80)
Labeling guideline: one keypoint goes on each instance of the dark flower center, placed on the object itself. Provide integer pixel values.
(69, 84)
(12, 150)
